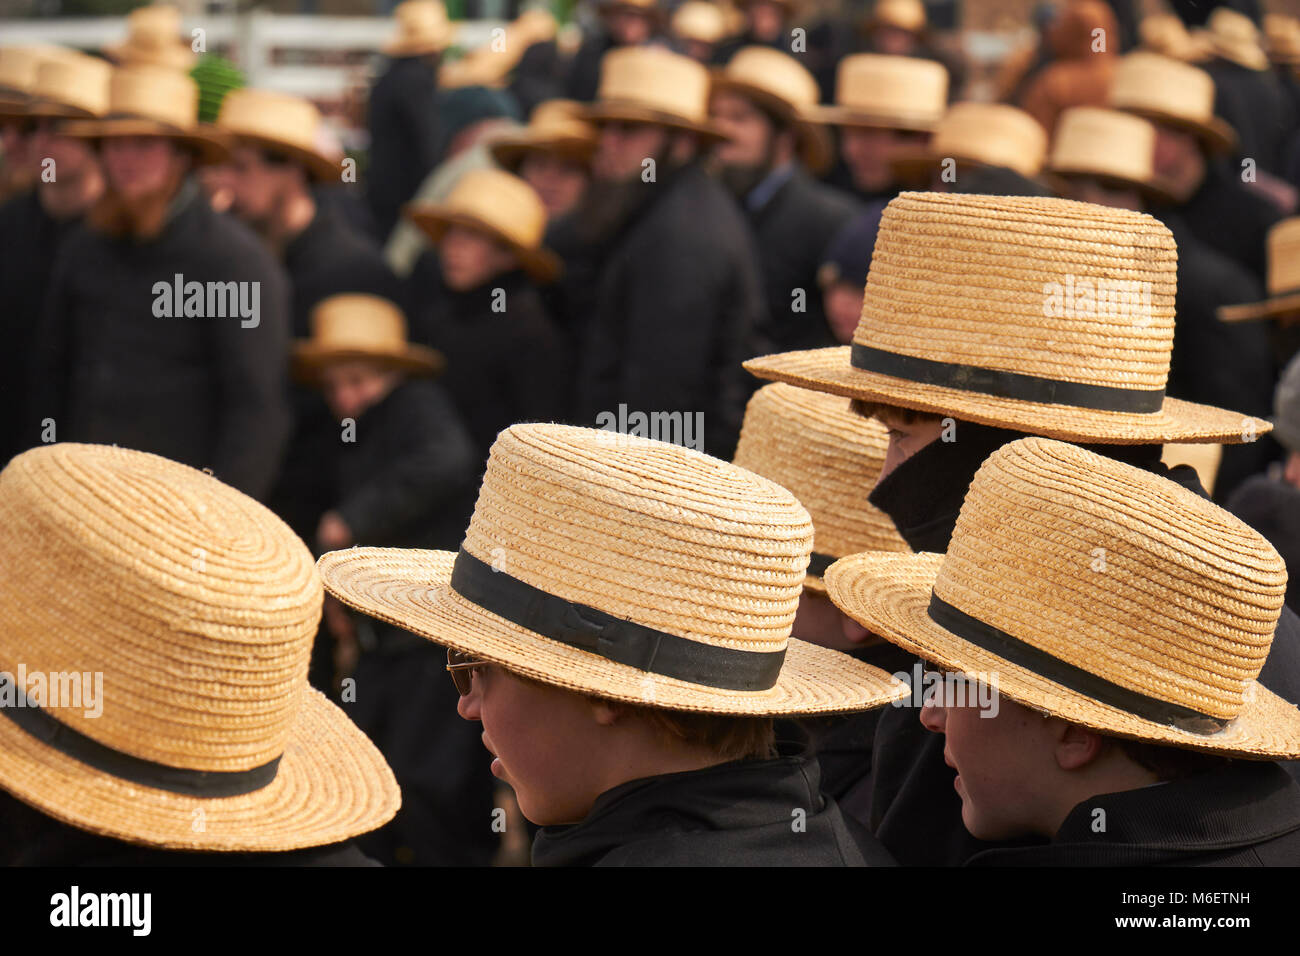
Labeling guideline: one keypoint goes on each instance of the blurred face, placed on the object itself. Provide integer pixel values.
(622, 148)
(1001, 760)
(259, 186)
(1292, 473)
(906, 439)
(894, 41)
(748, 127)
(1102, 194)
(867, 152)
(73, 158)
(628, 27)
(818, 621)
(544, 740)
(352, 387)
(15, 140)
(1178, 160)
(766, 20)
(469, 258)
(843, 304)
(138, 166)
(558, 181)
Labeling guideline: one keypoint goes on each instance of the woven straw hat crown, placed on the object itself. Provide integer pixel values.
(556, 126)
(154, 39)
(1284, 257)
(154, 93)
(774, 73)
(829, 457)
(289, 124)
(991, 133)
(73, 85)
(874, 89)
(196, 604)
(362, 326)
(904, 14)
(1235, 37)
(1091, 141)
(1166, 90)
(651, 82)
(1128, 576)
(699, 20)
(498, 202)
(422, 27)
(18, 66)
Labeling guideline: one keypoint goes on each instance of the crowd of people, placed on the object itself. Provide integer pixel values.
(999, 551)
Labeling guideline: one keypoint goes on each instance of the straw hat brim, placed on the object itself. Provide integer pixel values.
(209, 146)
(814, 143)
(309, 356)
(319, 166)
(848, 116)
(412, 590)
(1269, 308)
(609, 111)
(177, 57)
(48, 109)
(510, 153)
(1152, 189)
(1217, 135)
(890, 595)
(828, 370)
(917, 165)
(539, 262)
(332, 784)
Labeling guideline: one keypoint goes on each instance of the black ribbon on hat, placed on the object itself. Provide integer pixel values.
(624, 642)
(1040, 662)
(1017, 385)
(52, 732)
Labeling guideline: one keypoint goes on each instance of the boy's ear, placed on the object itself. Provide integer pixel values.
(1077, 747)
(606, 713)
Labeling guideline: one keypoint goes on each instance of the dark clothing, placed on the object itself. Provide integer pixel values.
(29, 239)
(1272, 507)
(30, 838)
(506, 360)
(793, 229)
(582, 79)
(743, 813)
(116, 364)
(1256, 105)
(679, 301)
(404, 136)
(538, 77)
(1246, 815)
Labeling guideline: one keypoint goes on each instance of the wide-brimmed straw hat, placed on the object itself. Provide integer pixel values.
(625, 568)
(1283, 277)
(18, 68)
(422, 28)
(491, 64)
(906, 15)
(556, 128)
(1282, 38)
(1099, 593)
(288, 126)
(648, 84)
(1166, 34)
(701, 21)
(500, 204)
(1166, 91)
(153, 101)
(153, 38)
(70, 85)
(783, 86)
(829, 457)
(887, 92)
(1234, 37)
(1045, 315)
(197, 608)
(1117, 149)
(979, 134)
(356, 326)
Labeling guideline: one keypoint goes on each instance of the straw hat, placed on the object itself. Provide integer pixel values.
(648, 84)
(626, 568)
(1115, 148)
(556, 127)
(198, 607)
(782, 85)
(1283, 277)
(422, 27)
(18, 68)
(153, 38)
(500, 204)
(987, 308)
(888, 92)
(1166, 91)
(701, 21)
(355, 326)
(906, 15)
(490, 64)
(287, 125)
(980, 134)
(829, 458)
(1162, 641)
(70, 85)
(1165, 33)
(1282, 38)
(1234, 37)
(153, 101)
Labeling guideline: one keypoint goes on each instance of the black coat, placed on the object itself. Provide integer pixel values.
(1246, 815)
(743, 813)
(29, 239)
(582, 78)
(793, 229)
(1257, 106)
(410, 478)
(1272, 508)
(405, 139)
(677, 311)
(503, 367)
(208, 392)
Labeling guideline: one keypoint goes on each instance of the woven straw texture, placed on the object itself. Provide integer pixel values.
(829, 457)
(987, 281)
(199, 608)
(643, 530)
(1109, 568)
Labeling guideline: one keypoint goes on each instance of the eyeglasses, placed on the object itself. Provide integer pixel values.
(461, 667)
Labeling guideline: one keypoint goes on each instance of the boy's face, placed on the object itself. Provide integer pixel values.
(1292, 473)
(351, 387)
(906, 439)
(470, 258)
(139, 166)
(867, 154)
(818, 621)
(559, 182)
(545, 741)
